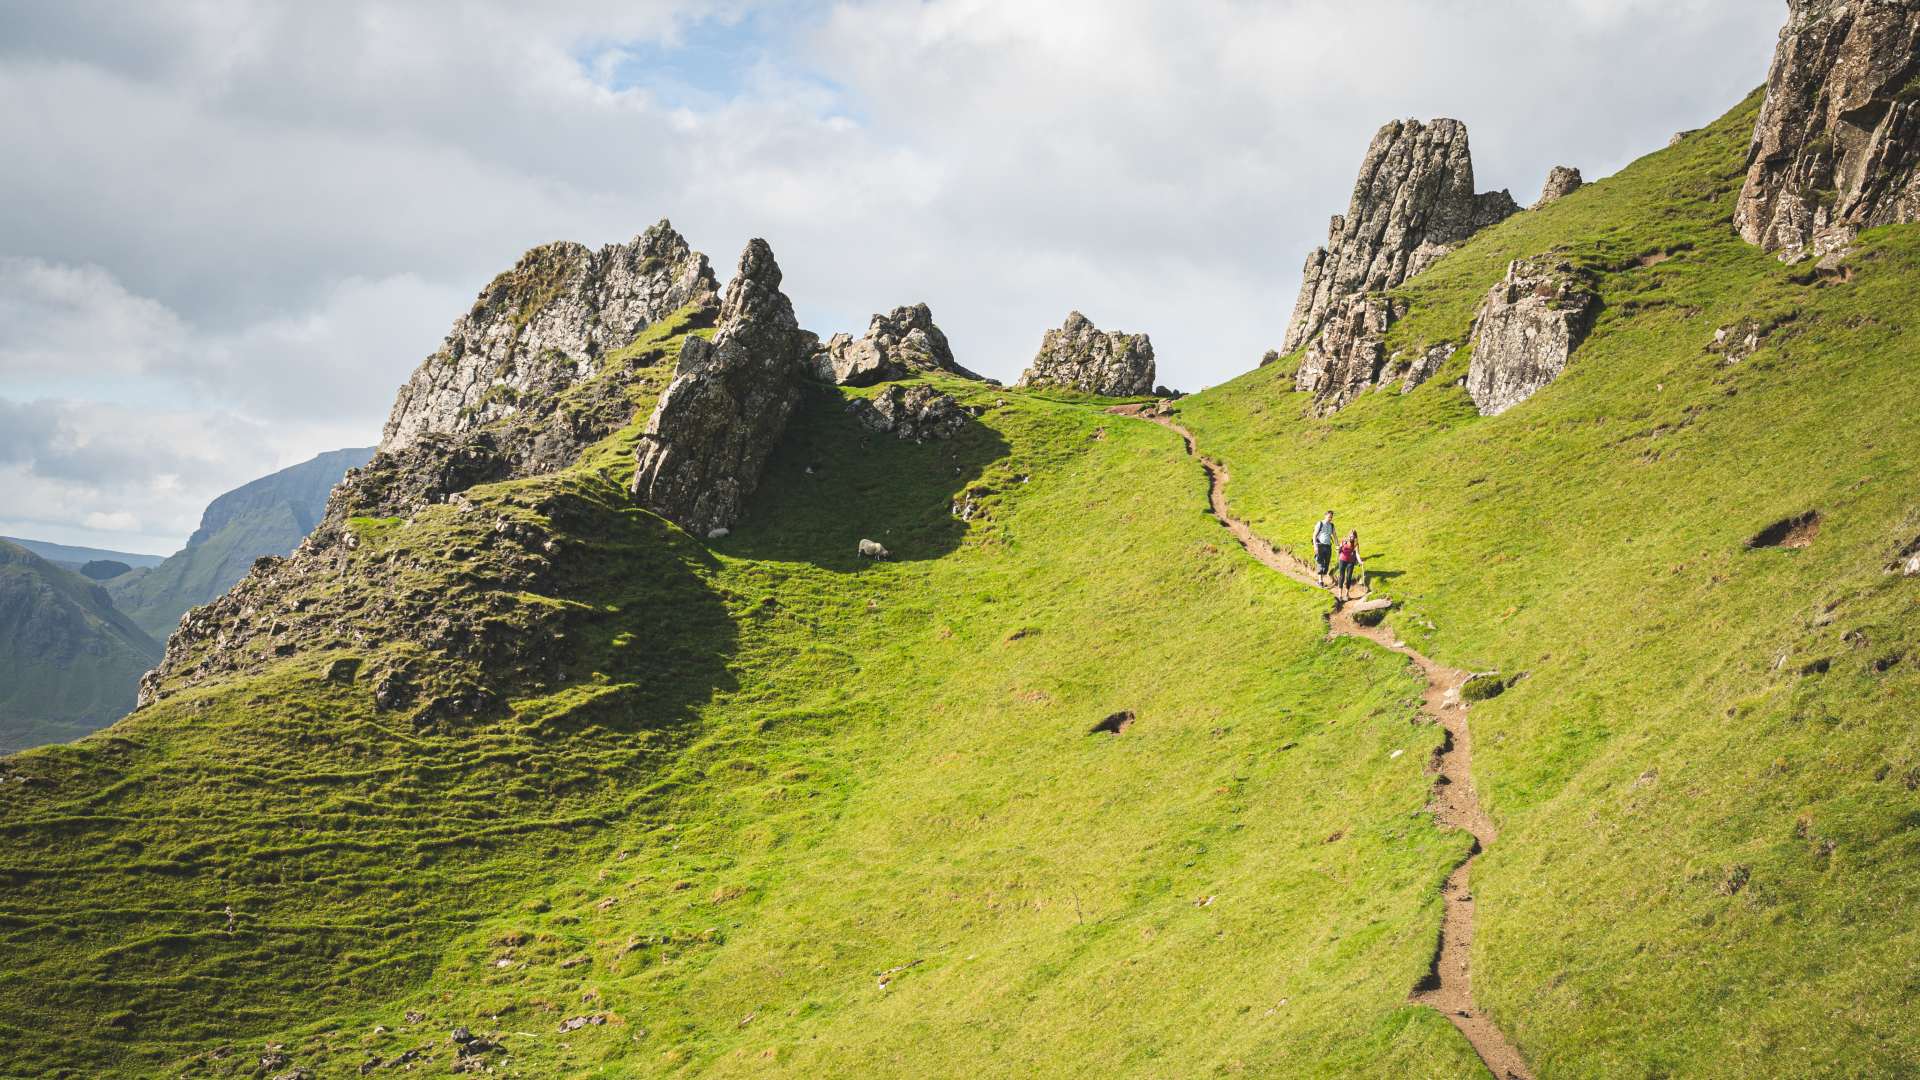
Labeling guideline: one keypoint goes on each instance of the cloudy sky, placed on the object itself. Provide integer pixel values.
(229, 228)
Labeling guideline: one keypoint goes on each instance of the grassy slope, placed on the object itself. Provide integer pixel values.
(1710, 848)
(775, 771)
(69, 662)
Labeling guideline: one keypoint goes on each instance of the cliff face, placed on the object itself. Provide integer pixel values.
(1837, 145)
(537, 329)
(894, 346)
(708, 440)
(1526, 330)
(1413, 202)
(1081, 356)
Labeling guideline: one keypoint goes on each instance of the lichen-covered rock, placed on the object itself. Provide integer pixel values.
(1527, 329)
(917, 413)
(1837, 145)
(895, 346)
(1413, 202)
(1080, 356)
(1563, 181)
(538, 328)
(1345, 359)
(708, 440)
(1427, 363)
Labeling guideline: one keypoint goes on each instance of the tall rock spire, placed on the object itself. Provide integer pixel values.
(1837, 146)
(1413, 202)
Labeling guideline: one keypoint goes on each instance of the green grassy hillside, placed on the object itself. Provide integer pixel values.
(69, 661)
(762, 807)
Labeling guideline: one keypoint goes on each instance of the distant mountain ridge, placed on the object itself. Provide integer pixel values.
(268, 516)
(72, 557)
(69, 662)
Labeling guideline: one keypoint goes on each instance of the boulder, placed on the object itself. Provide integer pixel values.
(1563, 181)
(895, 346)
(708, 439)
(1836, 148)
(917, 412)
(540, 327)
(1413, 202)
(1080, 356)
(1527, 329)
(1271, 356)
(1427, 363)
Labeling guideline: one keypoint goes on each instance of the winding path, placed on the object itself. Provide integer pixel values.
(1447, 987)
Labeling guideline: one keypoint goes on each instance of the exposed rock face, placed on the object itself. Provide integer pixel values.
(1526, 331)
(1837, 145)
(1563, 181)
(708, 440)
(1413, 203)
(538, 328)
(917, 412)
(1082, 357)
(1345, 359)
(894, 346)
(1427, 363)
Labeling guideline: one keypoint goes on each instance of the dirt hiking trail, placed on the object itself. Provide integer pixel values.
(1447, 987)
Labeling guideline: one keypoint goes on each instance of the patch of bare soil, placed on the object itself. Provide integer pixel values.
(1447, 986)
(1794, 532)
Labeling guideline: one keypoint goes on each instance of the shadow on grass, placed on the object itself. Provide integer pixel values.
(832, 483)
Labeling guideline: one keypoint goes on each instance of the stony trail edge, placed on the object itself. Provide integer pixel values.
(1447, 987)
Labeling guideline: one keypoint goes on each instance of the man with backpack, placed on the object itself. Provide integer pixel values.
(1323, 546)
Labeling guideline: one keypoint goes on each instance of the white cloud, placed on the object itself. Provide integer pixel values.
(260, 215)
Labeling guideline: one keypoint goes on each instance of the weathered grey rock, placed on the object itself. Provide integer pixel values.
(1527, 329)
(1837, 146)
(895, 345)
(1080, 356)
(1427, 363)
(707, 442)
(1563, 181)
(1345, 358)
(1271, 356)
(1413, 202)
(540, 327)
(917, 413)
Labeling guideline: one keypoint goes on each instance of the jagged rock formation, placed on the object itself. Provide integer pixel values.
(1080, 356)
(1413, 202)
(895, 345)
(1346, 357)
(916, 413)
(539, 328)
(708, 440)
(1527, 329)
(1837, 146)
(1563, 181)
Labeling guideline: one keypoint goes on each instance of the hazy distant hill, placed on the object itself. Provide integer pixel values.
(69, 662)
(69, 557)
(269, 516)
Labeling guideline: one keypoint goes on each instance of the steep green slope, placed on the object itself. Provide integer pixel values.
(268, 516)
(1705, 772)
(69, 662)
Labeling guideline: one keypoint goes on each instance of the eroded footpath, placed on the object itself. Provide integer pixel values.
(1447, 987)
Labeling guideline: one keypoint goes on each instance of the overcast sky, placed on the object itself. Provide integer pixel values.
(230, 228)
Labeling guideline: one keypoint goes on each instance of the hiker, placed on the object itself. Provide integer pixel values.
(1323, 546)
(1344, 574)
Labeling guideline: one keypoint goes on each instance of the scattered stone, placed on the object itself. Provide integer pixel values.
(1563, 181)
(895, 346)
(871, 549)
(1836, 148)
(719, 532)
(1413, 203)
(1271, 356)
(1734, 880)
(1080, 356)
(1739, 341)
(578, 1022)
(1527, 329)
(708, 439)
(1680, 137)
(1427, 363)
(918, 413)
(460, 1035)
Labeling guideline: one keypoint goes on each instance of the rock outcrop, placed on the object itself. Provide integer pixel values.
(539, 328)
(1837, 146)
(895, 345)
(1563, 181)
(1527, 329)
(1080, 356)
(709, 438)
(917, 413)
(1347, 356)
(1413, 202)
